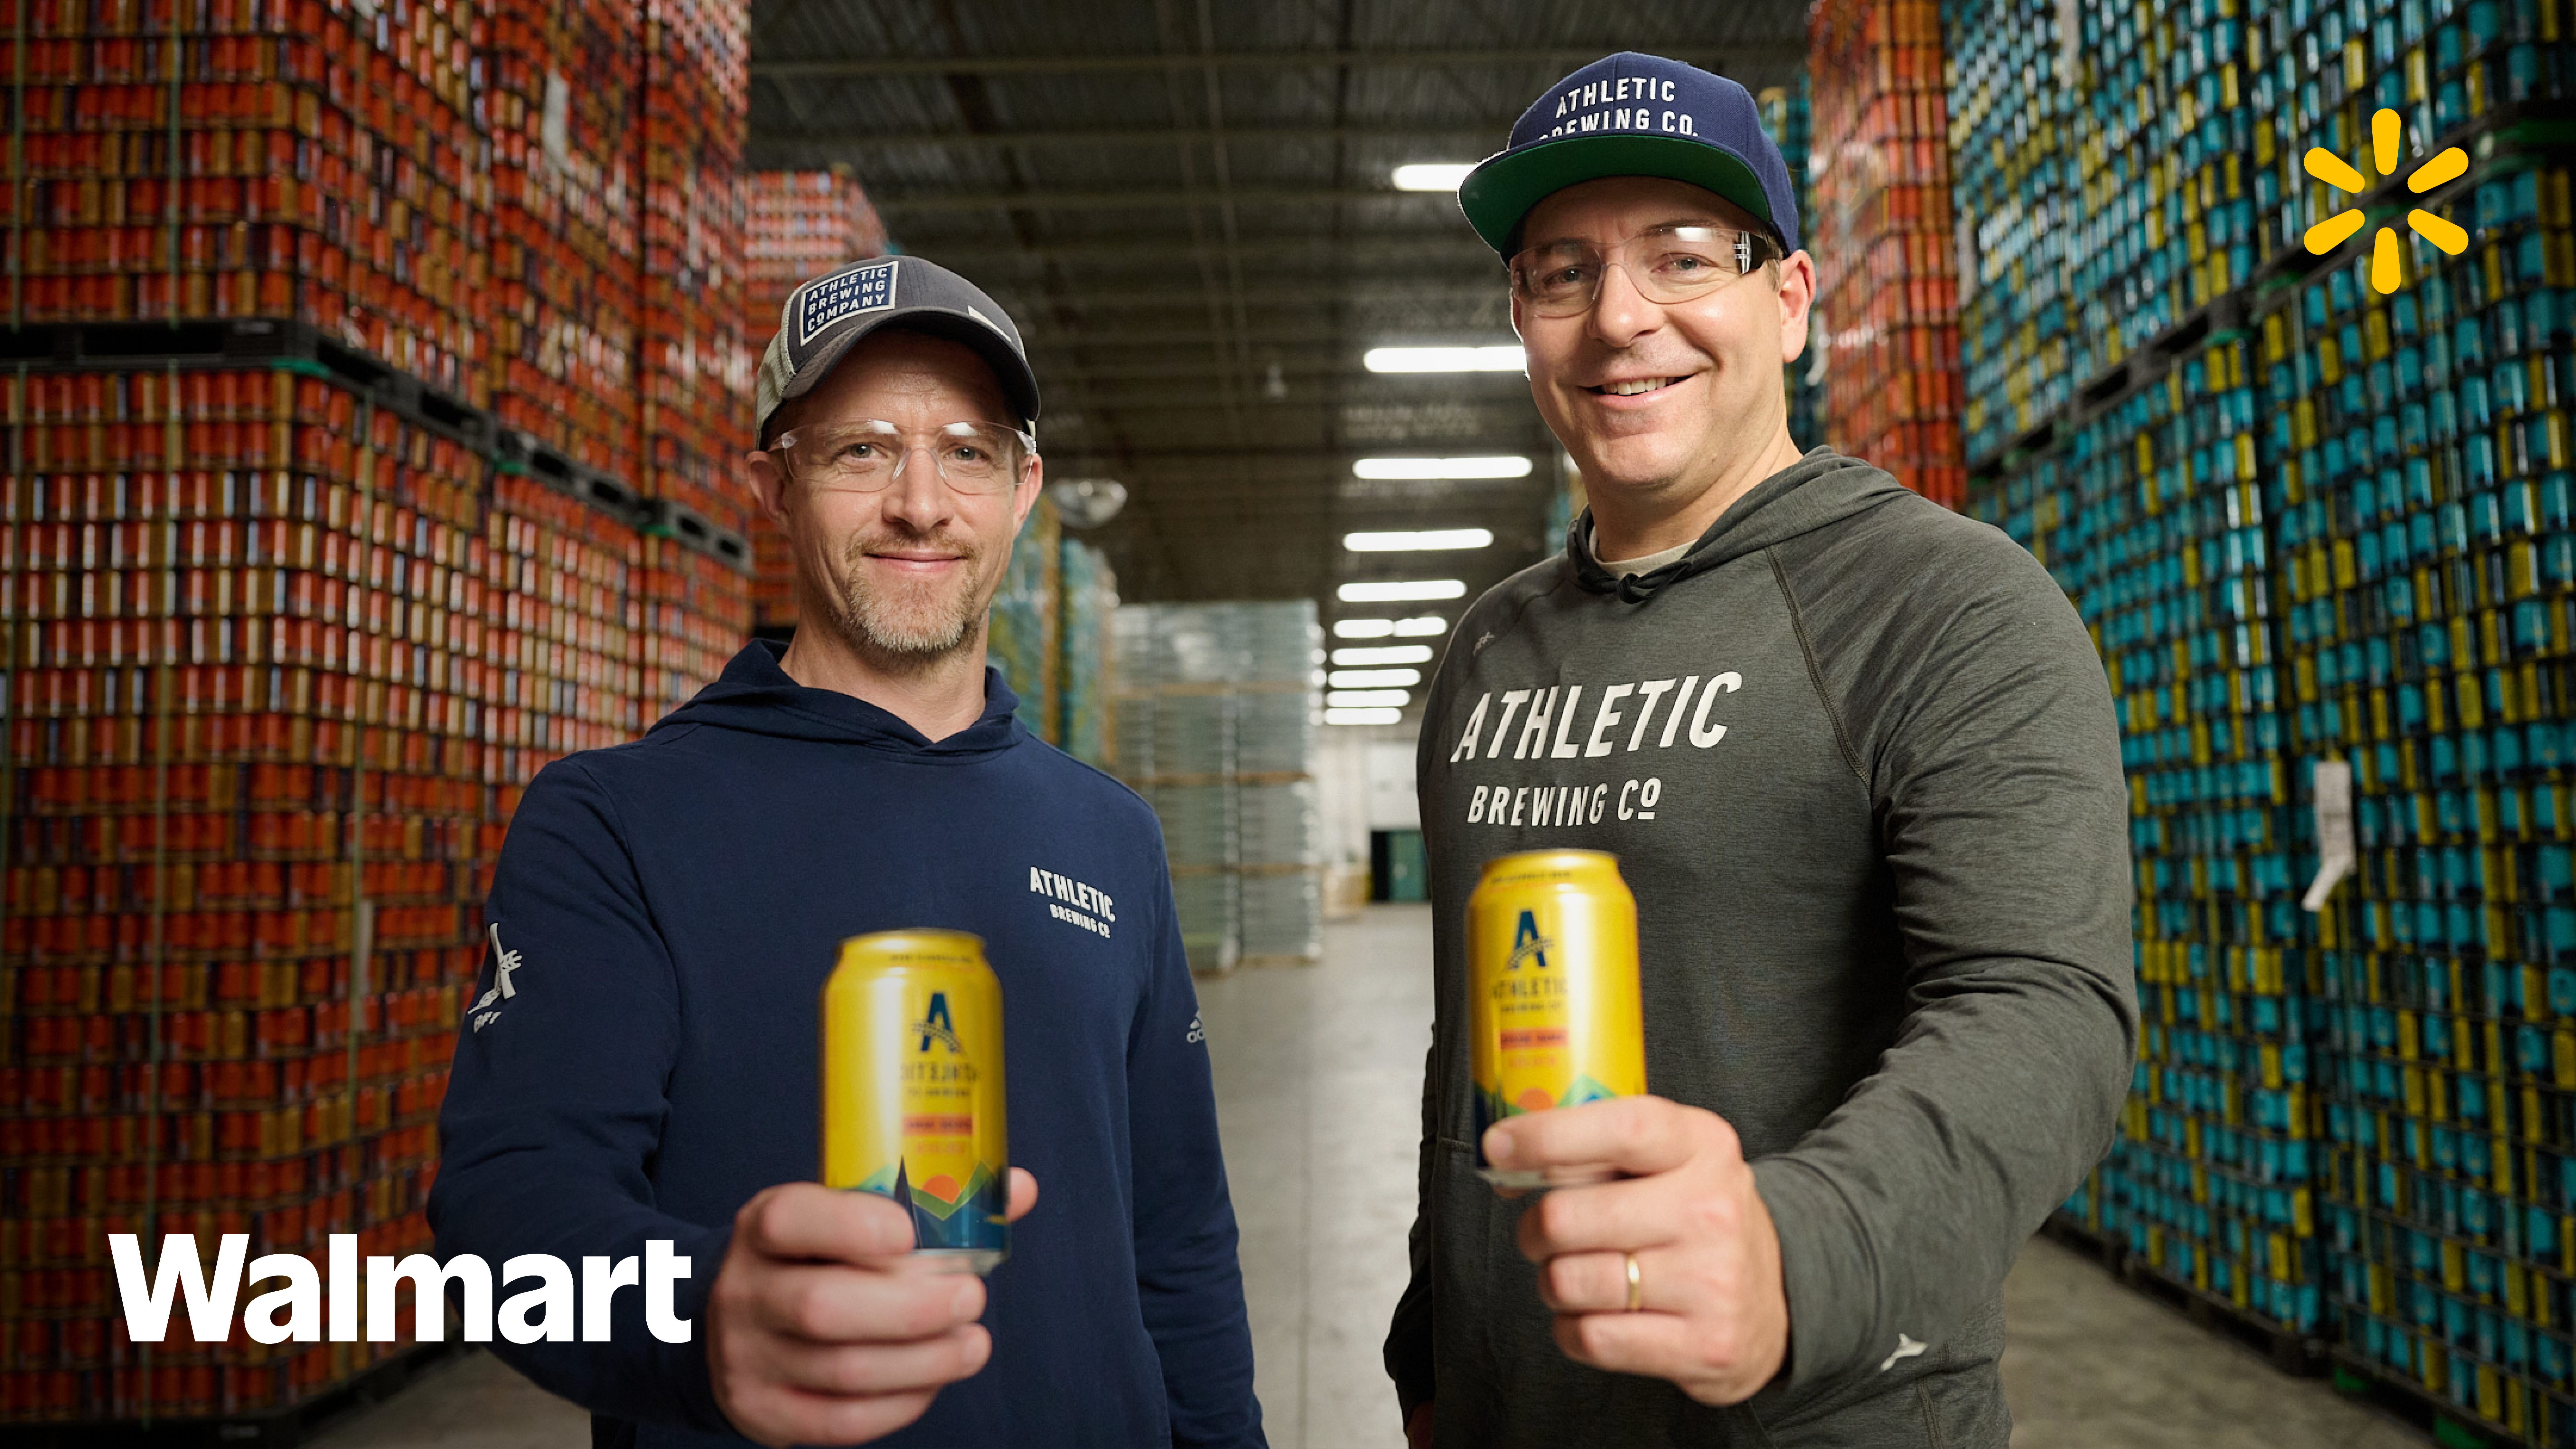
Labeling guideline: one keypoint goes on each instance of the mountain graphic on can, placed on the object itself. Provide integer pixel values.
(913, 1088)
(1553, 1009)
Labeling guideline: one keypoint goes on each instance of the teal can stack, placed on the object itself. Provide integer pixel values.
(2320, 529)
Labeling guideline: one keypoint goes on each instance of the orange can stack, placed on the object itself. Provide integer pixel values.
(566, 108)
(247, 706)
(286, 160)
(799, 224)
(696, 371)
(1882, 237)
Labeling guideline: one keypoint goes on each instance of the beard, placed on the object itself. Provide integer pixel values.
(911, 622)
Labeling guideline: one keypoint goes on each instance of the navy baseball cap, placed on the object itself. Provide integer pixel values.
(1633, 115)
(826, 316)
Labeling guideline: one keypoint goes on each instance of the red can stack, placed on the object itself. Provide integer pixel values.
(249, 811)
(1886, 268)
(696, 372)
(566, 105)
(256, 158)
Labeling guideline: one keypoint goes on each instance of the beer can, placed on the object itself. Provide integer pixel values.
(912, 1089)
(1553, 1013)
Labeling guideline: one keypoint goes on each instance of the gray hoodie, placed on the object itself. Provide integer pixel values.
(1856, 756)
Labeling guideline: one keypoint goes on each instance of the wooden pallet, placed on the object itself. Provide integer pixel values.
(282, 1427)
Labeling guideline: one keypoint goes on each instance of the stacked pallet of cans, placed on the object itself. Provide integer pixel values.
(2350, 1126)
(566, 107)
(1087, 653)
(696, 374)
(2427, 564)
(1785, 115)
(2212, 1181)
(798, 224)
(1021, 640)
(1218, 708)
(248, 790)
(281, 161)
(1882, 239)
(2011, 103)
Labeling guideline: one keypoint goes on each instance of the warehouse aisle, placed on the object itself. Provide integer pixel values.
(1318, 1077)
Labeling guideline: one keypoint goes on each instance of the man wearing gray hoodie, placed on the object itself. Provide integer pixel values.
(1856, 756)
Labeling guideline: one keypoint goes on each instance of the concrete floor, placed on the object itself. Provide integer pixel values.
(1318, 1077)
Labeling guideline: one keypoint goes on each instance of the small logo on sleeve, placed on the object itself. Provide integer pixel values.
(1074, 903)
(1906, 1347)
(505, 964)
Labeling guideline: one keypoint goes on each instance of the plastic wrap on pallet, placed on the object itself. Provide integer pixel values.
(1087, 594)
(1217, 712)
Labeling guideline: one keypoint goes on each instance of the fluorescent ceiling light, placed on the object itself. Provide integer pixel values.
(1373, 679)
(1509, 467)
(1362, 716)
(1398, 590)
(1417, 540)
(1367, 699)
(1421, 626)
(1364, 628)
(1500, 357)
(1391, 654)
(1432, 175)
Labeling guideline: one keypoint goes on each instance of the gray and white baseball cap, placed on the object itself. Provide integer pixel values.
(826, 316)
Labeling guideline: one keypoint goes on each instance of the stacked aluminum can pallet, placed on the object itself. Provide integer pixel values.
(2322, 531)
(1218, 708)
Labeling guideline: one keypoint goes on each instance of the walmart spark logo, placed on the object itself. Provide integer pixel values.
(2332, 232)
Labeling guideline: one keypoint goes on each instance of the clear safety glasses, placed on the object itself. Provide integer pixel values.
(867, 457)
(1666, 264)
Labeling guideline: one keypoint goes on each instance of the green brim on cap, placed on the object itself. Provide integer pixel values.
(1499, 193)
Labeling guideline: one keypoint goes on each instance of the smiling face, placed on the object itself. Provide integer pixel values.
(903, 576)
(1653, 401)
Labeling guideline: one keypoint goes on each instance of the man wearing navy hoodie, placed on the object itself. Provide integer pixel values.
(642, 1060)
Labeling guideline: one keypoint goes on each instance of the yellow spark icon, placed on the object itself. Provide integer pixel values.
(2330, 233)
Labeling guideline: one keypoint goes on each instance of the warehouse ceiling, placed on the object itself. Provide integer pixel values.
(1188, 207)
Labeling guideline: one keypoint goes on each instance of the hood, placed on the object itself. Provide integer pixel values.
(1822, 487)
(755, 695)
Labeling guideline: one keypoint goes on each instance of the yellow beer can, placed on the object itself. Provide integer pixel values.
(912, 1088)
(1553, 1013)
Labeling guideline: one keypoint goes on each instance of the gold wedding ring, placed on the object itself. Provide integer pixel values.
(1636, 1283)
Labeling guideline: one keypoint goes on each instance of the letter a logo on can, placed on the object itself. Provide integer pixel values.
(1527, 944)
(935, 1023)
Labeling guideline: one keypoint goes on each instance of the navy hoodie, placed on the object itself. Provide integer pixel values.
(667, 912)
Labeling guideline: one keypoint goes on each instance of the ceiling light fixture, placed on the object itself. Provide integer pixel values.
(1418, 541)
(1363, 716)
(1388, 654)
(1373, 679)
(1363, 628)
(1368, 699)
(1432, 175)
(1505, 357)
(1490, 467)
(1401, 590)
(1421, 626)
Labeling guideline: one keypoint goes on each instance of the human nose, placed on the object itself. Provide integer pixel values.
(920, 496)
(1620, 311)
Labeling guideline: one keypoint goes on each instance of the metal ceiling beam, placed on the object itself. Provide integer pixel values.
(1161, 252)
(1490, 132)
(1751, 53)
(1145, 198)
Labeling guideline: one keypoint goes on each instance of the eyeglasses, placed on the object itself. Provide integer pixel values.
(1666, 264)
(867, 457)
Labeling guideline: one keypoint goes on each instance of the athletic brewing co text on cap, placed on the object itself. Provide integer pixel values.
(825, 316)
(1632, 115)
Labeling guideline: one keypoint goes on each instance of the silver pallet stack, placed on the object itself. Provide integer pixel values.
(1218, 708)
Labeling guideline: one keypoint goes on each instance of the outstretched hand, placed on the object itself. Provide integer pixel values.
(1712, 1316)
